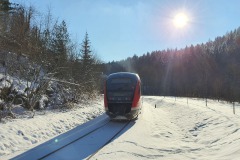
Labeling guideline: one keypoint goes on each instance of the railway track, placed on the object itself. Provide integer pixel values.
(112, 138)
(79, 143)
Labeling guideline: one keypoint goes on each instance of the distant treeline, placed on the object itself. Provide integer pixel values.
(210, 70)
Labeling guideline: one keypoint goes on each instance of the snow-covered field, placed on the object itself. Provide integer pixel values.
(172, 130)
(180, 131)
(20, 135)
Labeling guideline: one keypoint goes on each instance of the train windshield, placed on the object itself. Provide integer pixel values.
(121, 87)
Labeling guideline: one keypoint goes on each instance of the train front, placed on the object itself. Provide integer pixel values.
(122, 95)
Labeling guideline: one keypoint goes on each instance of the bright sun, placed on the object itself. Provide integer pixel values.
(180, 20)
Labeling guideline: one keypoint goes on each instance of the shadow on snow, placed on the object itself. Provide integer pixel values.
(74, 144)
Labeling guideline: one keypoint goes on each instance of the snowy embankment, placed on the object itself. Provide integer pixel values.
(177, 130)
(19, 135)
(173, 130)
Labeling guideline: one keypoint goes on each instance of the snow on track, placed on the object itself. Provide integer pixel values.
(173, 130)
(177, 130)
(89, 144)
(20, 135)
(80, 142)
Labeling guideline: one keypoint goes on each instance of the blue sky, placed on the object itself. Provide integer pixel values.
(121, 28)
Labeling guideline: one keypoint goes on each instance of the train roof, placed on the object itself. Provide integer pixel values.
(124, 74)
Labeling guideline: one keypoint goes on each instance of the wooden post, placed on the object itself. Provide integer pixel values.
(233, 108)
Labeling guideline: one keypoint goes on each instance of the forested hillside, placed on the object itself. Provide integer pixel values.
(210, 70)
(39, 61)
(38, 56)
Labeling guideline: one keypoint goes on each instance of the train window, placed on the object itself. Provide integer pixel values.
(121, 80)
(121, 84)
(121, 87)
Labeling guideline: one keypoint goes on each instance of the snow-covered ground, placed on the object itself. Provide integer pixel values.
(20, 135)
(177, 130)
(172, 130)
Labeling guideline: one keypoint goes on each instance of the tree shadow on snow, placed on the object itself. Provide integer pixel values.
(80, 142)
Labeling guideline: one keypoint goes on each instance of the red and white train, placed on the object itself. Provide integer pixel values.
(122, 95)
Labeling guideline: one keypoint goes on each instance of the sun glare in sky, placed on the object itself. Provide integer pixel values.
(180, 20)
